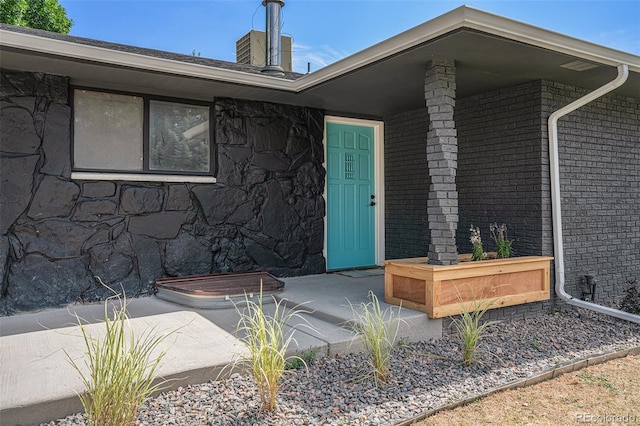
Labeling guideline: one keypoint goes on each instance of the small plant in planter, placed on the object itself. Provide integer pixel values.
(477, 253)
(503, 243)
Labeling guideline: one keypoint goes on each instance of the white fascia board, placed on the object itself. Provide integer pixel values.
(468, 17)
(403, 41)
(137, 61)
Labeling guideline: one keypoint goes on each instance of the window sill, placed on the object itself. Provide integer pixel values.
(140, 177)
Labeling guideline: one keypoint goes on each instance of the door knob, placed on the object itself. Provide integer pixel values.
(373, 203)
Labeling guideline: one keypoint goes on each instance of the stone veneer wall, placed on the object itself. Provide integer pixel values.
(57, 234)
(599, 150)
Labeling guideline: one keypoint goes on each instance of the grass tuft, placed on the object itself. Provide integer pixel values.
(470, 329)
(376, 328)
(121, 369)
(267, 341)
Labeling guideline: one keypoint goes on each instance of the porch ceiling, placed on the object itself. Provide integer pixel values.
(483, 62)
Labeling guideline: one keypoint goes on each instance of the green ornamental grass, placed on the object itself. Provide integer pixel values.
(267, 340)
(470, 329)
(378, 330)
(122, 369)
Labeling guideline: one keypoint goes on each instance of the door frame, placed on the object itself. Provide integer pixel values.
(378, 153)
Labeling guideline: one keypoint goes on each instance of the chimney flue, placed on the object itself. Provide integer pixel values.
(273, 66)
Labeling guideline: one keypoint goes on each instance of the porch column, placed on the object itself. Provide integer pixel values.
(442, 158)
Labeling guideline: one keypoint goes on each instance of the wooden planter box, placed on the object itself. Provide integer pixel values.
(441, 290)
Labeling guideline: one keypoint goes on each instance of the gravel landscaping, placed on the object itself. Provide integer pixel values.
(336, 390)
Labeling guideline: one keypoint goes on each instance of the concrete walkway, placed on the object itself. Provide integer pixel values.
(38, 383)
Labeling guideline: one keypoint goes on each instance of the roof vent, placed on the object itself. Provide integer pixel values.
(579, 66)
(273, 37)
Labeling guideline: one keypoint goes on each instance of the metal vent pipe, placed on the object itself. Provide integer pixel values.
(273, 52)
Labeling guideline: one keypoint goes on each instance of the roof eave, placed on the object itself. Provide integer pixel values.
(95, 54)
(540, 37)
(430, 30)
(462, 17)
(471, 18)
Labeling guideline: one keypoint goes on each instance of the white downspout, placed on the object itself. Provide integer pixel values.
(623, 73)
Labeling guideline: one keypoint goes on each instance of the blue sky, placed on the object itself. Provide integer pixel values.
(326, 31)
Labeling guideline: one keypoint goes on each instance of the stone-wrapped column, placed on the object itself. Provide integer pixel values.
(442, 157)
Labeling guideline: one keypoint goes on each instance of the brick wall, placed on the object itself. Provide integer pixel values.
(503, 176)
(599, 150)
(502, 173)
(503, 168)
(406, 184)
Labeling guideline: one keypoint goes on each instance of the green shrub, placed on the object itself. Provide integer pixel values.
(376, 328)
(470, 329)
(302, 360)
(267, 341)
(121, 369)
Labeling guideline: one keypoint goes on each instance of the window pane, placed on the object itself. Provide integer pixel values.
(107, 131)
(178, 137)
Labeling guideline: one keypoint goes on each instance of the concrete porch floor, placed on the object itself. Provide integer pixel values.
(38, 384)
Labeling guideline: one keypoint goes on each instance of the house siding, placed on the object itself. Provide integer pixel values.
(58, 235)
(503, 168)
(502, 173)
(599, 155)
(406, 184)
(503, 176)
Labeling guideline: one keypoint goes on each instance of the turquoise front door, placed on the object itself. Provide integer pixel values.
(350, 196)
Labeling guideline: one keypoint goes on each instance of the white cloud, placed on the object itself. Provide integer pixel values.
(317, 56)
